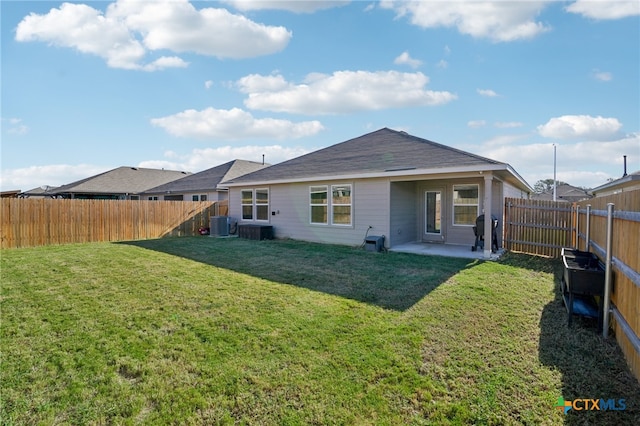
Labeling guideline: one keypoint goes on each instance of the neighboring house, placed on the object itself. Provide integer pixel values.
(205, 185)
(626, 183)
(10, 194)
(123, 183)
(564, 192)
(39, 192)
(383, 183)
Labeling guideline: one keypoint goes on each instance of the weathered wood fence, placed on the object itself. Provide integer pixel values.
(625, 260)
(37, 222)
(544, 227)
(538, 227)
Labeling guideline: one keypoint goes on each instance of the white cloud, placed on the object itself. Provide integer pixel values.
(232, 124)
(129, 31)
(605, 10)
(208, 84)
(487, 93)
(581, 126)
(28, 178)
(500, 21)
(602, 75)
(202, 159)
(504, 140)
(341, 92)
(507, 124)
(579, 163)
(295, 6)
(165, 62)
(16, 127)
(406, 59)
(442, 64)
(474, 124)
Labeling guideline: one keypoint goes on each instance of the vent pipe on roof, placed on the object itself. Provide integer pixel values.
(263, 159)
(625, 166)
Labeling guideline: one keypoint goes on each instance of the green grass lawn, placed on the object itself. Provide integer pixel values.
(223, 331)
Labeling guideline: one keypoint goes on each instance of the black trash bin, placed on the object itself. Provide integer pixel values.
(478, 230)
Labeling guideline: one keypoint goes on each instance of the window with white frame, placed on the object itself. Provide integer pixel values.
(465, 204)
(319, 204)
(247, 204)
(255, 204)
(334, 209)
(341, 204)
(195, 198)
(262, 204)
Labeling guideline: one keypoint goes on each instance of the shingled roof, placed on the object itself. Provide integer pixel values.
(564, 192)
(209, 179)
(122, 180)
(376, 153)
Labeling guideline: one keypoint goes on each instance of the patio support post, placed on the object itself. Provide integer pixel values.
(488, 223)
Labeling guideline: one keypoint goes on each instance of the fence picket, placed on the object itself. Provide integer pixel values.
(36, 222)
(537, 227)
(544, 227)
(626, 259)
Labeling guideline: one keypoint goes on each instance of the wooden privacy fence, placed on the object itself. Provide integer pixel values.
(544, 227)
(537, 227)
(37, 222)
(625, 260)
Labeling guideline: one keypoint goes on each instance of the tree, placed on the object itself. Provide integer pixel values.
(546, 185)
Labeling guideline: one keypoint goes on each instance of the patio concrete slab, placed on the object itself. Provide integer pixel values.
(438, 249)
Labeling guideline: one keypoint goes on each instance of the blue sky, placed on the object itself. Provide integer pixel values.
(91, 86)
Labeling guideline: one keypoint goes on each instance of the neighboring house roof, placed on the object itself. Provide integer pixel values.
(209, 179)
(628, 182)
(41, 191)
(564, 192)
(10, 194)
(384, 152)
(122, 180)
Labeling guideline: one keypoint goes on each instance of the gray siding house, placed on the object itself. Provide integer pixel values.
(206, 185)
(383, 183)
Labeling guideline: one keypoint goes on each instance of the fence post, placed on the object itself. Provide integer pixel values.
(607, 273)
(577, 232)
(507, 226)
(577, 226)
(587, 243)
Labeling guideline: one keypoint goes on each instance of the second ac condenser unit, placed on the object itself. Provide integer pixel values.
(219, 226)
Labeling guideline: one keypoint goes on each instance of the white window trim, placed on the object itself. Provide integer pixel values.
(243, 204)
(326, 187)
(350, 205)
(453, 204)
(329, 205)
(256, 204)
